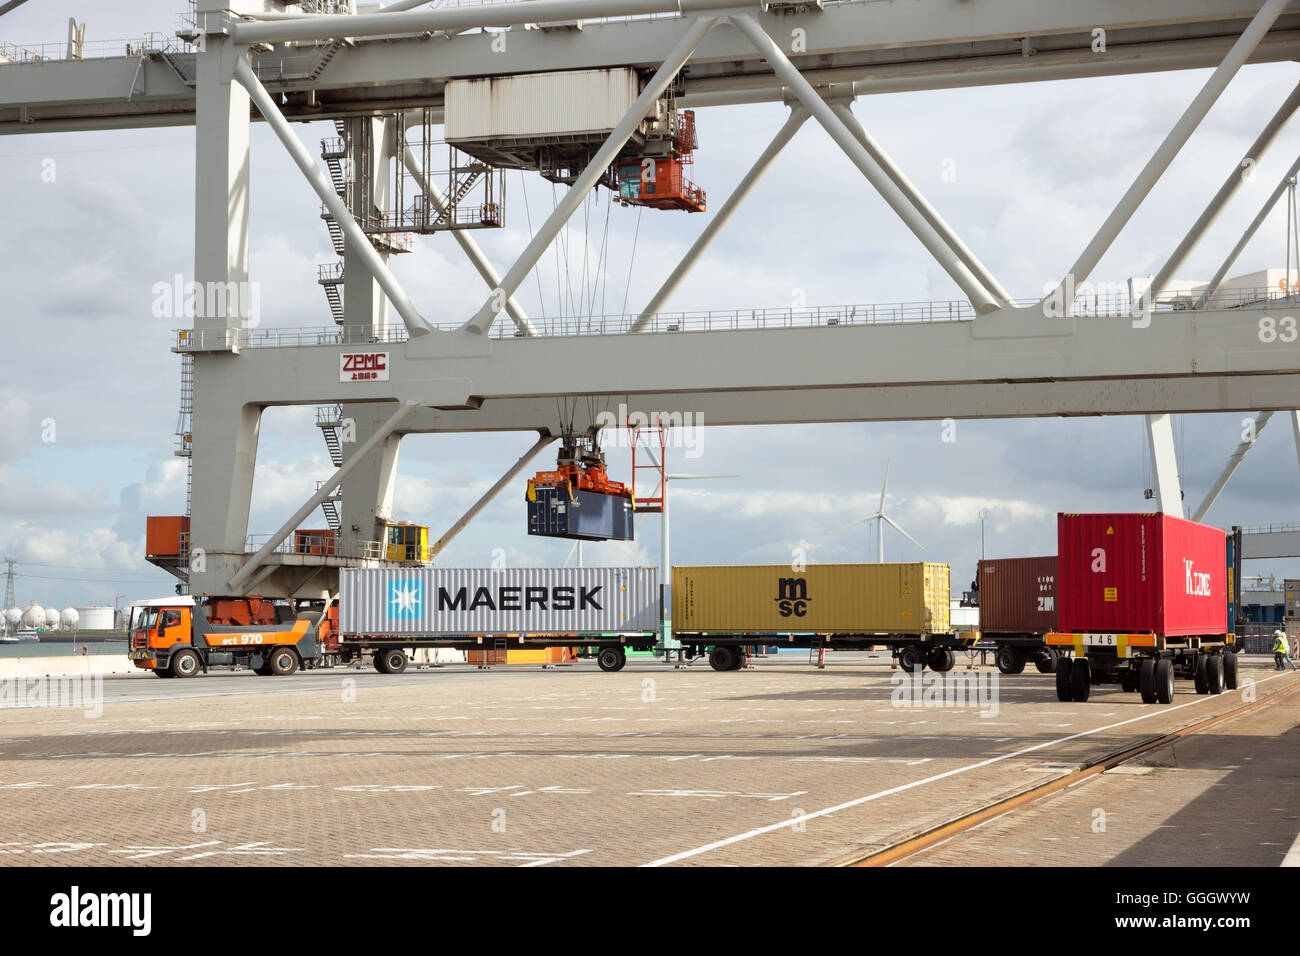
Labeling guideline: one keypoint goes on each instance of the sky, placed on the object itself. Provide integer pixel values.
(88, 401)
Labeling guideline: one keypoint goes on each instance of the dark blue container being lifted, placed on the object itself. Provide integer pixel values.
(587, 515)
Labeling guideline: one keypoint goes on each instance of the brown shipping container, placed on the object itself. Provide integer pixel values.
(823, 598)
(162, 534)
(1017, 595)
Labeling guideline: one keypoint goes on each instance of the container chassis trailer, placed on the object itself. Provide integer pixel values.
(1146, 663)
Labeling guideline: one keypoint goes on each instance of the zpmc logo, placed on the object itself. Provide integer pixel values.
(792, 597)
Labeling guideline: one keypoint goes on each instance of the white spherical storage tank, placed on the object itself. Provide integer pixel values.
(95, 618)
(51, 617)
(34, 616)
(14, 616)
(68, 618)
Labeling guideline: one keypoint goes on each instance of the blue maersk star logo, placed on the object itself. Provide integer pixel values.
(405, 599)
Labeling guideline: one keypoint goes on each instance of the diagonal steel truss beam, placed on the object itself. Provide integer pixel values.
(980, 297)
(1249, 234)
(471, 248)
(324, 491)
(798, 116)
(1169, 148)
(374, 263)
(915, 197)
(1234, 460)
(482, 321)
(1230, 186)
(491, 493)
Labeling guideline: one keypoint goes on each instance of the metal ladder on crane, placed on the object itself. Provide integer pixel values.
(329, 419)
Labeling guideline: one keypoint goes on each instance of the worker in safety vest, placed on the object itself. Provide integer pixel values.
(1280, 650)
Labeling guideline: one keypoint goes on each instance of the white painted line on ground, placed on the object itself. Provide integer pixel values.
(1292, 857)
(772, 827)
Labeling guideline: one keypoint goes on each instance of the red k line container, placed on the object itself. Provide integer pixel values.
(1143, 573)
(1017, 595)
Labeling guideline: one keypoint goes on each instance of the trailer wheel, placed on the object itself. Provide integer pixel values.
(378, 660)
(613, 659)
(942, 659)
(1063, 692)
(1214, 673)
(1045, 661)
(1080, 679)
(1229, 670)
(911, 658)
(742, 659)
(395, 660)
(1200, 668)
(1011, 660)
(722, 658)
(284, 661)
(1164, 680)
(1147, 680)
(185, 663)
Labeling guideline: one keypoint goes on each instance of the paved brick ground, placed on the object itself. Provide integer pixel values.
(1228, 796)
(571, 766)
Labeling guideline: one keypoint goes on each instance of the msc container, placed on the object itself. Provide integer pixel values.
(823, 598)
(458, 601)
(1146, 573)
(1017, 595)
(568, 104)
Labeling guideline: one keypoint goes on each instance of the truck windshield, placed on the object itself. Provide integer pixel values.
(146, 618)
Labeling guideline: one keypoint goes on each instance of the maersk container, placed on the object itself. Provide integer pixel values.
(1017, 595)
(481, 601)
(1141, 573)
(822, 598)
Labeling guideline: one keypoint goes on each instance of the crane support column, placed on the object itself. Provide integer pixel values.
(971, 287)
(1165, 153)
(1164, 464)
(798, 116)
(369, 490)
(482, 321)
(221, 203)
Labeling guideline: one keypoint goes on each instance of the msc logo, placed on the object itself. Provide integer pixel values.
(406, 598)
(792, 597)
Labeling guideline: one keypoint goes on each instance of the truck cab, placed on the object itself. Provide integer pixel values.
(175, 637)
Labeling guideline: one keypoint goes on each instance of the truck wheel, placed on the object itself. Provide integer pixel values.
(185, 663)
(1229, 670)
(613, 659)
(1045, 661)
(394, 660)
(284, 661)
(1164, 679)
(160, 672)
(942, 659)
(1214, 673)
(1199, 670)
(1080, 679)
(722, 658)
(1011, 660)
(742, 660)
(1063, 692)
(911, 658)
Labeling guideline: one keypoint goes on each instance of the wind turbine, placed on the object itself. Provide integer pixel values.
(880, 518)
